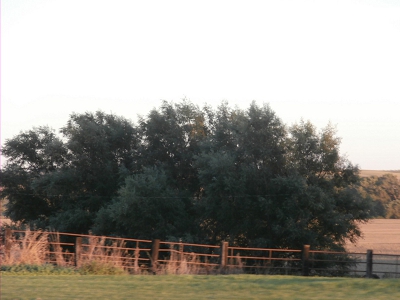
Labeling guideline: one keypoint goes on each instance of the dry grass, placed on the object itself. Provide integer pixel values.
(98, 257)
(235, 265)
(184, 263)
(379, 173)
(31, 249)
(34, 248)
(180, 263)
(60, 259)
(97, 249)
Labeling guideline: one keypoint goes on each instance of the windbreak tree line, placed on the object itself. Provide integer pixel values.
(384, 192)
(199, 175)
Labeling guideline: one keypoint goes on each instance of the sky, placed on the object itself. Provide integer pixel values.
(332, 62)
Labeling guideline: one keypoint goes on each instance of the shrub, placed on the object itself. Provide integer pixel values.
(97, 267)
(46, 269)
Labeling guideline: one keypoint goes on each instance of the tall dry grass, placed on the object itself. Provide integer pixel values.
(31, 249)
(99, 258)
(180, 263)
(39, 248)
(60, 259)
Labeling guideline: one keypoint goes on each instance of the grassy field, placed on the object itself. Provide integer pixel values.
(196, 287)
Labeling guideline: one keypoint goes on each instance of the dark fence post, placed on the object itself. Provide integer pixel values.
(306, 260)
(270, 257)
(155, 248)
(7, 242)
(224, 254)
(78, 251)
(369, 263)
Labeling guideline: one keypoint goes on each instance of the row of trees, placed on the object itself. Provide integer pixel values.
(384, 191)
(190, 173)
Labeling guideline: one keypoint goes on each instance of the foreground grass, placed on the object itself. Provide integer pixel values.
(195, 287)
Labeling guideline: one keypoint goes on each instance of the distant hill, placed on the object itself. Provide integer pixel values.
(378, 173)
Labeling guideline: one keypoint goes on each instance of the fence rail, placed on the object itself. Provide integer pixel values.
(140, 255)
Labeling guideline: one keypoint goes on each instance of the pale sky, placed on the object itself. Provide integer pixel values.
(323, 61)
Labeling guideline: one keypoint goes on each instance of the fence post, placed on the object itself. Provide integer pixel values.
(78, 251)
(7, 242)
(306, 260)
(181, 251)
(224, 254)
(369, 264)
(155, 248)
(270, 257)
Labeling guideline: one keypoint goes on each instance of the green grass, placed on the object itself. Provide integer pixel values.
(196, 287)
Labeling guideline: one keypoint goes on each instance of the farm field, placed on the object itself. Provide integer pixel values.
(382, 236)
(379, 235)
(196, 287)
(378, 173)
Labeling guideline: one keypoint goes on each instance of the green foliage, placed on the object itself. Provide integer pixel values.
(393, 210)
(62, 185)
(240, 156)
(187, 173)
(171, 137)
(100, 268)
(31, 155)
(90, 268)
(384, 192)
(146, 208)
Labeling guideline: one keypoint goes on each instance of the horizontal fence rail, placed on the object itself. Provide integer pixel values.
(139, 256)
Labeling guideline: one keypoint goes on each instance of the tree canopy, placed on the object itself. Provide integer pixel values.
(190, 173)
(384, 192)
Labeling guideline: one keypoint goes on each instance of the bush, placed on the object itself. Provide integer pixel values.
(46, 269)
(100, 268)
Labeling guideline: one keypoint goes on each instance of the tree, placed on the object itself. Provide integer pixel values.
(171, 137)
(31, 155)
(65, 183)
(328, 201)
(146, 207)
(101, 147)
(384, 192)
(241, 155)
(263, 187)
(203, 175)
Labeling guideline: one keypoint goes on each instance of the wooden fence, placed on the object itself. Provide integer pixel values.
(139, 256)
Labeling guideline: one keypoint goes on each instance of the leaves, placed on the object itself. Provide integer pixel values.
(384, 192)
(184, 172)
